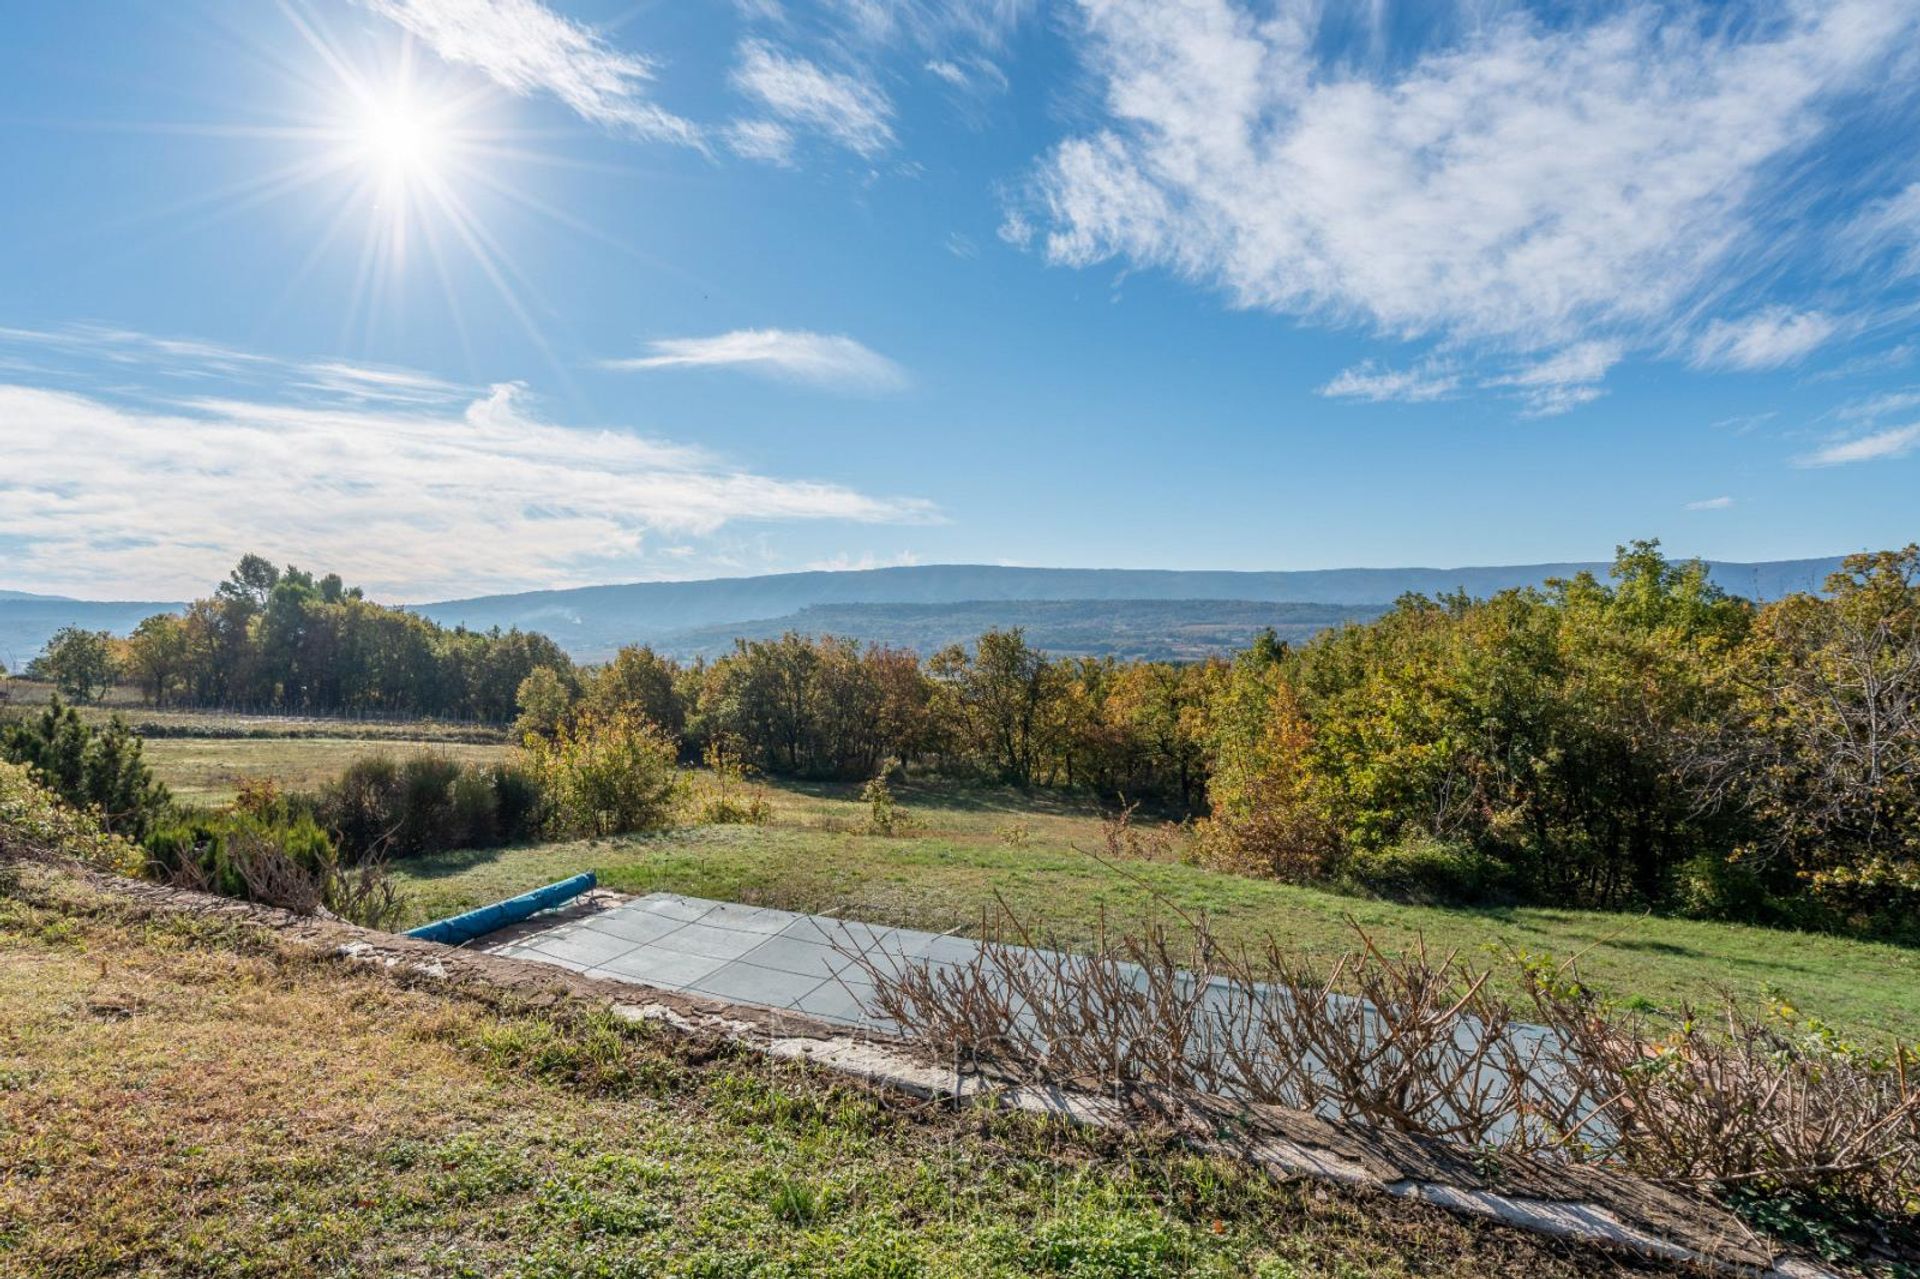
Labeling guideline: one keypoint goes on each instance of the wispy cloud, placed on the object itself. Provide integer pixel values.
(1895, 442)
(1521, 186)
(78, 354)
(1768, 339)
(767, 141)
(528, 48)
(1711, 504)
(851, 112)
(1370, 381)
(1554, 384)
(930, 23)
(1873, 407)
(415, 503)
(820, 358)
(1564, 380)
(949, 72)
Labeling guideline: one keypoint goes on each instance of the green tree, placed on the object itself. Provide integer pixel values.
(638, 679)
(78, 662)
(101, 770)
(157, 657)
(544, 701)
(1002, 694)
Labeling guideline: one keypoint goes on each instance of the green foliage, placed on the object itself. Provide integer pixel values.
(98, 770)
(284, 639)
(542, 700)
(812, 707)
(883, 812)
(33, 819)
(640, 681)
(1553, 730)
(607, 774)
(425, 802)
(210, 849)
(723, 795)
(77, 662)
(1429, 871)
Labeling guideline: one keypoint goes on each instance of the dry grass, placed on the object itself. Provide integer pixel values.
(182, 1096)
(210, 770)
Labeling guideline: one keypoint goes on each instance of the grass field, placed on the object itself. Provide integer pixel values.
(975, 844)
(155, 722)
(182, 1096)
(208, 770)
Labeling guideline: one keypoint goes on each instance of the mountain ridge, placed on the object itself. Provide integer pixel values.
(592, 621)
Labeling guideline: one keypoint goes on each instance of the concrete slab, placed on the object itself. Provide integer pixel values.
(774, 959)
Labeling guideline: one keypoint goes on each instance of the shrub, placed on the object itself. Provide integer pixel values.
(33, 820)
(215, 851)
(422, 803)
(273, 853)
(1427, 870)
(1710, 886)
(724, 797)
(99, 770)
(883, 815)
(1418, 1043)
(607, 774)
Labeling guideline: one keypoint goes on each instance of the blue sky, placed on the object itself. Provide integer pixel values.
(455, 296)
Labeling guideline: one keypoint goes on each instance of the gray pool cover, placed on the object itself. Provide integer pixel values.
(745, 954)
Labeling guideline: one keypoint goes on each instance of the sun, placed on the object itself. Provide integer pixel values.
(400, 138)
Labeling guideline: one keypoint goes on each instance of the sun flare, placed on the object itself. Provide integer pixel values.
(400, 138)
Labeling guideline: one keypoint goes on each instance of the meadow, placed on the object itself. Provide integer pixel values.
(970, 847)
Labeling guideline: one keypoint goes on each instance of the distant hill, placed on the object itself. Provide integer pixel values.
(1192, 611)
(592, 621)
(1158, 630)
(27, 622)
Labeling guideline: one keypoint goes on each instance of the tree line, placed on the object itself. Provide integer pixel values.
(288, 641)
(1645, 739)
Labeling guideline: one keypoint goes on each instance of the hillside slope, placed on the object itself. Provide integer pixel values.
(1155, 630)
(186, 1094)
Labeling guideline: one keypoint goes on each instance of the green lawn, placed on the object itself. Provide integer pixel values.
(975, 843)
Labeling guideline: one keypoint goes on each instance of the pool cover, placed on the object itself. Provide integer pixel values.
(743, 954)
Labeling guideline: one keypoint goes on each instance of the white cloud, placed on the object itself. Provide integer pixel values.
(768, 141)
(1711, 504)
(80, 351)
(1895, 442)
(1369, 381)
(528, 48)
(101, 499)
(1891, 224)
(821, 358)
(1767, 339)
(931, 23)
(1555, 384)
(1564, 380)
(1878, 406)
(1522, 188)
(949, 72)
(847, 110)
(845, 563)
